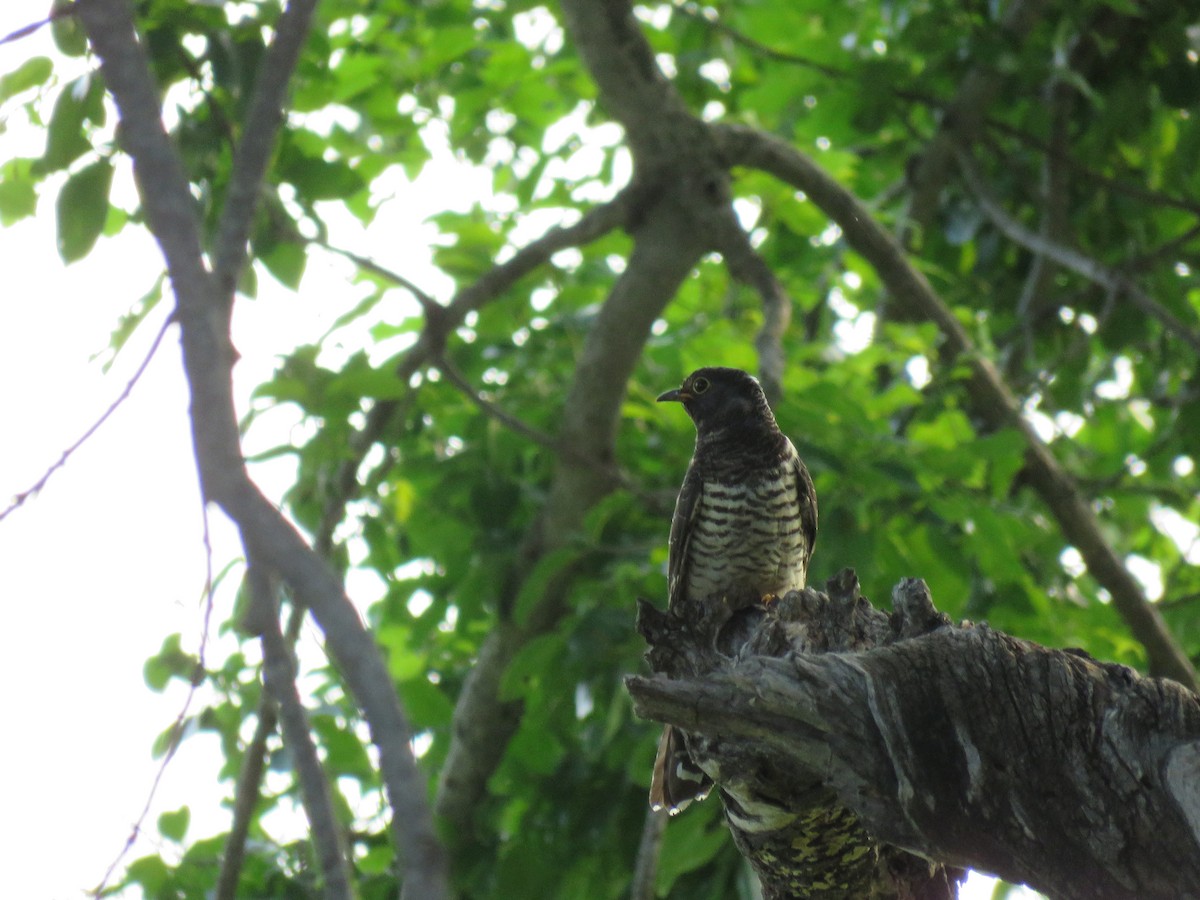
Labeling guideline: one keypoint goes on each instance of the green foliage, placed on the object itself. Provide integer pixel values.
(911, 484)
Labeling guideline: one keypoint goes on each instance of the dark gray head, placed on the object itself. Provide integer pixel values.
(718, 398)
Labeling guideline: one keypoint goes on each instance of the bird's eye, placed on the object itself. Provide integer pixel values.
(700, 385)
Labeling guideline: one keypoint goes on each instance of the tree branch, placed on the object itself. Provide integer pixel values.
(962, 744)
(990, 397)
(645, 868)
(246, 796)
(747, 266)
(257, 145)
(961, 121)
(1068, 258)
(208, 357)
(279, 678)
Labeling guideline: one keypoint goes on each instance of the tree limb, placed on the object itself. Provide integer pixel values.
(208, 357)
(246, 796)
(645, 868)
(678, 202)
(279, 678)
(746, 265)
(1069, 258)
(965, 745)
(961, 120)
(990, 397)
(254, 150)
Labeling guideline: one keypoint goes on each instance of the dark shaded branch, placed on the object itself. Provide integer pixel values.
(645, 868)
(252, 156)
(962, 744)
(370, 265)
(1069, 258)
(961, 121)
(990, 397)
(491, 410)
(279, 678)
(747, 266)
(246, 796)
(1054, 219)
(1136, 192)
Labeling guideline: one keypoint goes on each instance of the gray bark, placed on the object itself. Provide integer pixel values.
(957, 743)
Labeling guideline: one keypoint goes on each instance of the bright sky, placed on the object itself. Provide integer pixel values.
(108, 560)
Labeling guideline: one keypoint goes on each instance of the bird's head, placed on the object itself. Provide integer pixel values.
(716, 397)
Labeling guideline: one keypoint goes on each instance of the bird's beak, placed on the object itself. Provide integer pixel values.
(676, 396)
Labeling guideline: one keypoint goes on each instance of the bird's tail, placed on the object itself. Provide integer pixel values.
(676, 780)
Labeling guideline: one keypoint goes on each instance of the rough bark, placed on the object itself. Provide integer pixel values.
(956, 742)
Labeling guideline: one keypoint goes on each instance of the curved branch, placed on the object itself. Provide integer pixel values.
(246, 796)
(208, 358)
(990, 396)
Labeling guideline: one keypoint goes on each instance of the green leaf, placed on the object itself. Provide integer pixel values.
(534, 587)
(67, 30)
(150, 872)
(81, 100)
(286, 261)
(174, 825)
(82, 209)
(129, 322)
(18, 197)
(529, 669)
(170, 662)
(31, 73)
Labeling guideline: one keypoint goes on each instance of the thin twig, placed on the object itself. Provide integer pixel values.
(58, 12)
(1069, 258)
(458, 380)
(363, 262)
(198, 675)
(20, 498)
(692, 11)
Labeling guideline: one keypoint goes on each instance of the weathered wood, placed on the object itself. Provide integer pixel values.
(837, 734)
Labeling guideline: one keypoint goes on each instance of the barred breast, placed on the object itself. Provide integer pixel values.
(747, 539)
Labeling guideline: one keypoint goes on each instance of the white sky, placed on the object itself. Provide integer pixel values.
(108, 560)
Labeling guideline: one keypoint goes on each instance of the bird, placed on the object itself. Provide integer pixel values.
(743, 530)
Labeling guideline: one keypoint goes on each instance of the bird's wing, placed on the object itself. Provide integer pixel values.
(686, 508)
(807, 495)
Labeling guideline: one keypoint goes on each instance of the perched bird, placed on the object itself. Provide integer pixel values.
(743, 530)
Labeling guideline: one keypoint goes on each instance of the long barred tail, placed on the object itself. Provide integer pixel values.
(676, 780)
